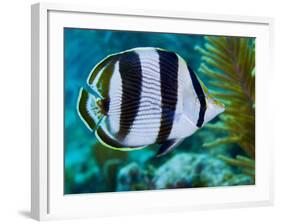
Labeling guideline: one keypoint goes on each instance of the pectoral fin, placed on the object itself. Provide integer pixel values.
(168, 146)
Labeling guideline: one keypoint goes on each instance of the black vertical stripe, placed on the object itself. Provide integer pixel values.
(168, 62)
(131, 76)
(201, 96)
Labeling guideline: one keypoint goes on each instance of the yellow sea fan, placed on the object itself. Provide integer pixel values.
(229, 63)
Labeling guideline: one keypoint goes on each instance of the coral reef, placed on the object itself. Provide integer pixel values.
(83, 178)
(109, 162)
(187, 170)
(184, 170)
(132, 177)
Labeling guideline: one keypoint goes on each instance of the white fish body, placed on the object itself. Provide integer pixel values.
(144, 96)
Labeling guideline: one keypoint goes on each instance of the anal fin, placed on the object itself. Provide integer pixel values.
(168, 146)
(104, 137)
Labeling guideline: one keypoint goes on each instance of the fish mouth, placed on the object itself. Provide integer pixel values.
(222, 109)
(221, 106)
(218, 104)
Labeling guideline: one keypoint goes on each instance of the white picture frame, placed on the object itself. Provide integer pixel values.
(48, 201)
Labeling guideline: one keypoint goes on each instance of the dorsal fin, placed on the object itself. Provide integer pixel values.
(100, 76)
(99, 67)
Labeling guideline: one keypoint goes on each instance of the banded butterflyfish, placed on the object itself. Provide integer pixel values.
(144, 96)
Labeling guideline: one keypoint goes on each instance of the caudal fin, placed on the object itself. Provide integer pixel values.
(89, 109)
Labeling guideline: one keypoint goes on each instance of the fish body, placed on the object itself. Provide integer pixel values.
(144, 96)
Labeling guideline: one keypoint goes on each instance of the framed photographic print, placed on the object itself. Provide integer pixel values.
(144, 111)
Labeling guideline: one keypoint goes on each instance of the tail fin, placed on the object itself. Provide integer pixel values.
(89, 109)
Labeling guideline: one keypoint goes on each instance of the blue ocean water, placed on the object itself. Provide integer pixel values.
(89, 166)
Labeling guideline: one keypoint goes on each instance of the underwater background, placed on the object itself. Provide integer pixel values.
(220, 154)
